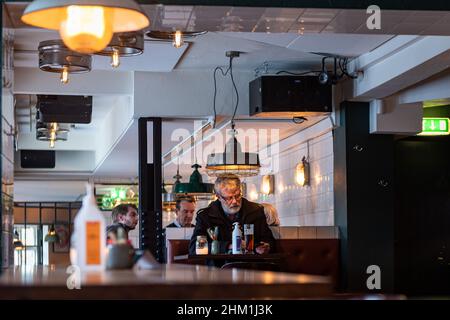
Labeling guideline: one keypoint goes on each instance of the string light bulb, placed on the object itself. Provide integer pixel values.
(115, 58)
(88, 29)
(53, 129)
(178, 39)
(65, 76)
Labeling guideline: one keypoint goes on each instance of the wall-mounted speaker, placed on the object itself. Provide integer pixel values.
(37, 159)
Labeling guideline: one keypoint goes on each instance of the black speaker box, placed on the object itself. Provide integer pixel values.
(298, 94)
(37, 159)
(64, 109)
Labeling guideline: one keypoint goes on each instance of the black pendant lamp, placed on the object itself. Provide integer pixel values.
(233, 160)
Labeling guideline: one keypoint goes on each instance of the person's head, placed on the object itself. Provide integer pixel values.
(185, 209)
(271, 214)
(228, 190)
(125, 214)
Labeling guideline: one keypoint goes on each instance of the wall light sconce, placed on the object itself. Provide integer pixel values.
(302, 174)
(268, 184)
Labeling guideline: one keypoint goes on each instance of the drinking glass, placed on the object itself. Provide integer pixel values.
(249, 238)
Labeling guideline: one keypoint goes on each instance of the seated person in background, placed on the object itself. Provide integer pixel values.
(271, 214)
(228, 208)
(124, 216)
(185, 209)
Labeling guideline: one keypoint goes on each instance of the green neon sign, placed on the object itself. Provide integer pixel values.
(435, 126)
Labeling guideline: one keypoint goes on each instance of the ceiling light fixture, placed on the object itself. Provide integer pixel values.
(18, 244)
(195, 185)
(86, 26)
(232, 160)
(55, 57)
(51, 132)
(124, 45)
(51, 236)
(177, 37)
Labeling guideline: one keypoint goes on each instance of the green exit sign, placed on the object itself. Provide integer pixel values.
(435, 127)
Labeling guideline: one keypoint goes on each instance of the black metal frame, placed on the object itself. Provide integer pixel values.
(150, 197)
(48, 205)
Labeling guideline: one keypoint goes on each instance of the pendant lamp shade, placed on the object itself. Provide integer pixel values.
(195, 184)
(86, 26)
(51, 236)
(233, 160)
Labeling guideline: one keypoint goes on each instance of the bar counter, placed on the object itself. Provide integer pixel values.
(174, 281)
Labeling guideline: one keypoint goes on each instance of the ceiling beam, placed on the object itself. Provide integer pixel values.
(401, 69)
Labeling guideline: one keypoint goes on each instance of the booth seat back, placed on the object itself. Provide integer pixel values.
(310, 256)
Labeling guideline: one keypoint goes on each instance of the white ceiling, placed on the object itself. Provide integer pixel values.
(279, 20)
(280, 39)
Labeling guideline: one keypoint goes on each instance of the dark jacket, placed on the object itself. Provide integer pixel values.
(213, 215)
(173, 225)
(114, 227)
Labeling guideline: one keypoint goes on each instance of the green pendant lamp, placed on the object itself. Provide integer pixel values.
(51, 236)
(195, 185)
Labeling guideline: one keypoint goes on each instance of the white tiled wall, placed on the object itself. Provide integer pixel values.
(301, 206)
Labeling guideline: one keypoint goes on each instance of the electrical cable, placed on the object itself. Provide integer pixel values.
(215, 90)
(236, 90)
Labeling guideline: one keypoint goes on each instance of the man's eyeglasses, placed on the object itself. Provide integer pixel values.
(237, 197)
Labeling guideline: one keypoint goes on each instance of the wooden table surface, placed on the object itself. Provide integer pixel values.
(239, 257)
(174, 281)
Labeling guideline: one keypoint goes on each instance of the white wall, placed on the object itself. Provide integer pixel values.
(182, 93)
(302, 206)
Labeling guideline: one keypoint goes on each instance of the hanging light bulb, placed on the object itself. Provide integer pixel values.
(53, 129)
(18, 244)
(86, 26)
(51, 236)
(115, 58)
(65, 75)
(88, 29)
(302, 172)
(178, 39)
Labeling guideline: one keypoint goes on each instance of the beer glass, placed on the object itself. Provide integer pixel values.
(249, 238)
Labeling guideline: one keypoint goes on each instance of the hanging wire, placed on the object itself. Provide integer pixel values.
(225, 73)
(237, 93)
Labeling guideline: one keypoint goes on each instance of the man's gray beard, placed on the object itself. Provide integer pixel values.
(233, 211)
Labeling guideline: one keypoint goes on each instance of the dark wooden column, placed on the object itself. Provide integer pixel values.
(364, 199)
